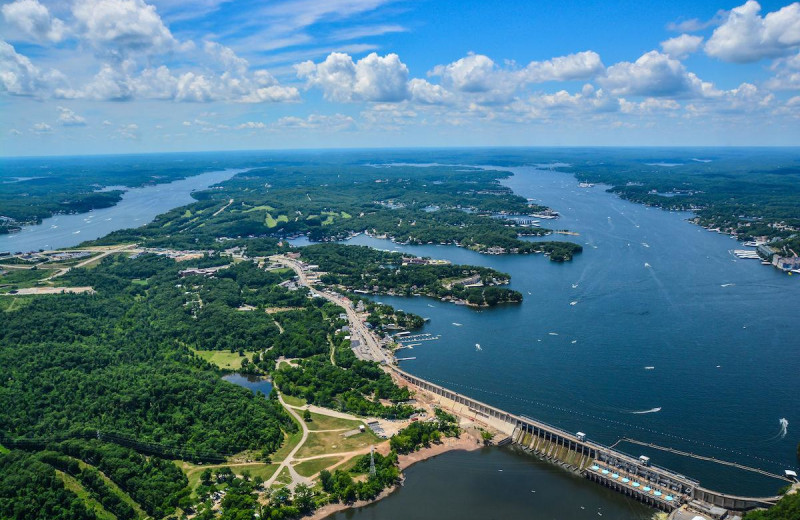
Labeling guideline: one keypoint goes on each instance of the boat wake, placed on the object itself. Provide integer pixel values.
(456, 324)
(651, 410)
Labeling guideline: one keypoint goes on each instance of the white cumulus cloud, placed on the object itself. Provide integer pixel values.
(473, 73)
(372, 78)
(122, 28)
(34, 20)
(20, 77)
(746, 36)
(681, 46)
(654, 75)
(581, 65)
(787, 73)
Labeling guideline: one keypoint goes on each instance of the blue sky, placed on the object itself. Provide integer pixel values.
(119, 76)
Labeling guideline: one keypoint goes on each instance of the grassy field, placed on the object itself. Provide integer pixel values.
(291, 400)
(256, 469)
(222, 358)
(259, 208)
(326, 422)
(264, 471)
(350, 464)
(284, 477)
(312, 467)
(117, 491)
(73, 485)
(289, 442)
(322, 443)
(271, 222)
(22, 278)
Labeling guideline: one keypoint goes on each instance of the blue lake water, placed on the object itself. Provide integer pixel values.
(138, 207)
(496, 484)
(255, 383)
(649, 290)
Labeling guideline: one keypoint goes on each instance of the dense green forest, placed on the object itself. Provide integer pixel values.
(100, 390)
(787, 508)
(119, 364)
(366, 269)
(351, 385)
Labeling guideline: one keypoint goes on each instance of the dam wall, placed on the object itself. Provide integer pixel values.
(654, 485)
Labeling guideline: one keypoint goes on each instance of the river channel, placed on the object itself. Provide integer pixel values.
(138, 207)
(656, 332)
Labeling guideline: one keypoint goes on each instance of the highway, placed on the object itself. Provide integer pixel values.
(358, 328)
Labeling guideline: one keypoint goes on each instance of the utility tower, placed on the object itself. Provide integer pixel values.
(372, 461)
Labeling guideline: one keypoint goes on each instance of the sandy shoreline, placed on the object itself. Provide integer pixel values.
(464, 443)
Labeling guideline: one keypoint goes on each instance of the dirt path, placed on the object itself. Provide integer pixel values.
(97, 258)
(333, 351)
(289, 459)
(223, 208)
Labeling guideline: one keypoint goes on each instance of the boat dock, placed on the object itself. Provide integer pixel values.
(416, 338)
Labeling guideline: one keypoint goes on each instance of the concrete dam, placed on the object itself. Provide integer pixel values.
(637, 478)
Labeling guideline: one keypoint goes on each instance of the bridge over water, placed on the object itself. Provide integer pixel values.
(654, 485)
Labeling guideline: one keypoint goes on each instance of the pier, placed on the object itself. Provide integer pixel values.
(656, 486)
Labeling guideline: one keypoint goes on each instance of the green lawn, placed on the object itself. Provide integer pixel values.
(291, 400)
(271, 222)
(350, 464)
(194, 471)
(117, 491)
(284, 477)
(289, 442)
(222, 358)
(312, 467)
(326, 422)
(259, 208)
(22, 278)
(334, 442)
(264, 471)
(73, 485)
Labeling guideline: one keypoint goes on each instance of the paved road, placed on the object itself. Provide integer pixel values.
(357, 326)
